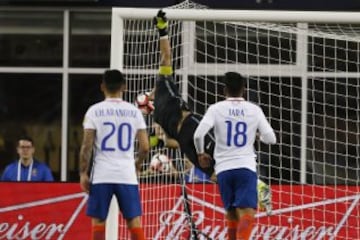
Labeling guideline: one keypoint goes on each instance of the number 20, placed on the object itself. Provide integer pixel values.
(238, 136)
(121, 145)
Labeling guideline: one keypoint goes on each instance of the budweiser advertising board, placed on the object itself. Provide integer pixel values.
(57, 211)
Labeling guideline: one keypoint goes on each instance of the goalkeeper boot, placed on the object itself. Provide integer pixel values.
(264, 197)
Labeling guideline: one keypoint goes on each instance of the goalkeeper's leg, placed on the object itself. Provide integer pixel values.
(264, 197)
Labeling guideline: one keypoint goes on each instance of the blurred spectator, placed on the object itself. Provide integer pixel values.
(26, 168)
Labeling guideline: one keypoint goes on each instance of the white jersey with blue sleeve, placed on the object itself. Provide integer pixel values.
(235, 122)
(116, 123)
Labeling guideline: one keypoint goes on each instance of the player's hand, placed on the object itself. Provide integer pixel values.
(138, 165)
(84, 182)
(161, 23)
(204, 160)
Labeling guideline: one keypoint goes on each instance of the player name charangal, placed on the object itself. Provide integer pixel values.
(115, 112)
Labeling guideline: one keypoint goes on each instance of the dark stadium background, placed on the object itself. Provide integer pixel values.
(32, 102)
(333, 5)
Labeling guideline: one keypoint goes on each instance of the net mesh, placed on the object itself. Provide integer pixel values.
(306, 79)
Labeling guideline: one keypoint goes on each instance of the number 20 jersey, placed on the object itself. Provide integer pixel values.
(236, 123)
(116, 123)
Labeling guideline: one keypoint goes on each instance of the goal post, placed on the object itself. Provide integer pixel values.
(303, 69)
(241, 15)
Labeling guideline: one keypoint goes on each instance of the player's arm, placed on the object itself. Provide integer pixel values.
(267, 134)
(199, 138)
(206, 123)
(161, 23)
(144, 147)
(165, 68)
(170, 142)
(161, 138)
(165, 52)
(85, 155)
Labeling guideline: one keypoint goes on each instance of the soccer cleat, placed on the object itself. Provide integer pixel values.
(264, 197)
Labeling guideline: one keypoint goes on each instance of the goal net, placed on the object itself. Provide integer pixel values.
(303, 69)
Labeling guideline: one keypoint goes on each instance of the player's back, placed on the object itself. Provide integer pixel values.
(236, 122)
(116, 123)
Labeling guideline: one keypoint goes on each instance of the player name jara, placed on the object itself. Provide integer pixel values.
(115, 112)
(237, 112)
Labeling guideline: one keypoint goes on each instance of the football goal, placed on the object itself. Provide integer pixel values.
(302, 68)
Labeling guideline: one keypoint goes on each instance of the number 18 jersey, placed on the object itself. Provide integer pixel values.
(116, 123)
(236, 123)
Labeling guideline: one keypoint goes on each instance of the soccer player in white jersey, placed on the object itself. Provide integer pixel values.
(110, 129)
(236, 123)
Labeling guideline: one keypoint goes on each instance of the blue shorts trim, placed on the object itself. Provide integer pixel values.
(238, 188)
(127, 195)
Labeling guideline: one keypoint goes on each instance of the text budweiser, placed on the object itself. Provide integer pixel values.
(178, 223)
(27, 230)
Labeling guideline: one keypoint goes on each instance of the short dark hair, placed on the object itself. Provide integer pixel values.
(234, 83)
(113, 80)
(25, 138)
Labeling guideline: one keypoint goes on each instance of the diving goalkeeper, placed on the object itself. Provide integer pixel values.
(172, 113)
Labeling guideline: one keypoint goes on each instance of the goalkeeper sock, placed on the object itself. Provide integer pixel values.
(98, 232)
(137, 233)
(232, 225)
(245, 227)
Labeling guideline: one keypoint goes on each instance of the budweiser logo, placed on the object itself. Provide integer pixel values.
(295, 232)
(47, 224)
(175, 222)
(25, 229)
(59, 214)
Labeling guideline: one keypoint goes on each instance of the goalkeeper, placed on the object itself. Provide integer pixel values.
(171, 111)
(176, 119)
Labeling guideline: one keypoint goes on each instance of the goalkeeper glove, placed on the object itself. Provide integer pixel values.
(264, 197)
(161, 23)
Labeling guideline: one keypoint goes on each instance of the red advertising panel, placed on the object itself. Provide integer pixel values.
(57, 211)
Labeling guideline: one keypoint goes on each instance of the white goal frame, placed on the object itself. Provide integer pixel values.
(301, 18)
(299, 69)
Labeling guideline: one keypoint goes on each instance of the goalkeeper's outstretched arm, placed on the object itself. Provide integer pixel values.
(165, 51)
(161, 23)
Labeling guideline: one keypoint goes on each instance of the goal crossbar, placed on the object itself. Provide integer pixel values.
(242, 15)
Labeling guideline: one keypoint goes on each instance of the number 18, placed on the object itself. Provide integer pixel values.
(238, 135)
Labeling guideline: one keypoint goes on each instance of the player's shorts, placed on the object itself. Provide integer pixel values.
(238, 188)
(186, 142)
(100, 196)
